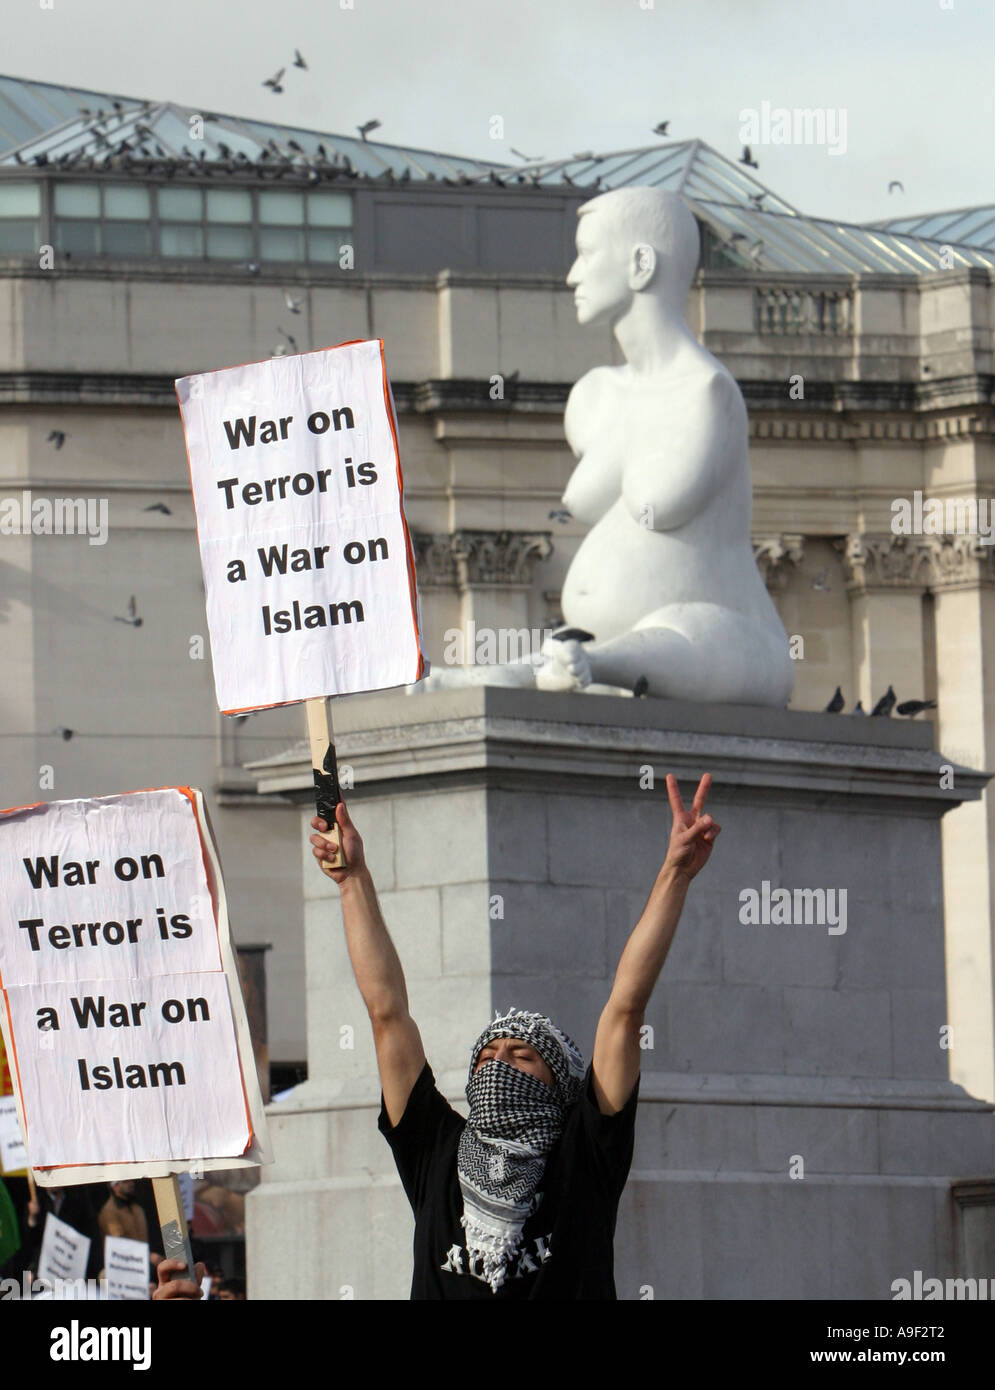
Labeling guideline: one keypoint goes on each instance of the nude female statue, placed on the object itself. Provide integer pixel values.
(665, 581)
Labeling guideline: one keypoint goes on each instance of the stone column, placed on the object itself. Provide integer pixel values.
(886, 577)
(963, 580)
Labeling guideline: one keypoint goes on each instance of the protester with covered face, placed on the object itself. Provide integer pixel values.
(518, 1200)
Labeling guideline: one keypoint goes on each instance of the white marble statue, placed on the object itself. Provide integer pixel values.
(664, 587)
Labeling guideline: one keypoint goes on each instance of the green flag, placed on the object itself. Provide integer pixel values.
(10, 1239)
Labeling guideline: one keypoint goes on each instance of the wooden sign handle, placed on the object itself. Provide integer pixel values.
(326, 778)
(173, 1222)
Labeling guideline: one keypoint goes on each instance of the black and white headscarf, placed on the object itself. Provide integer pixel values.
(514, 1121)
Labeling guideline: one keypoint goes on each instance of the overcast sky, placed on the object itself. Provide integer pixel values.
(911, 78)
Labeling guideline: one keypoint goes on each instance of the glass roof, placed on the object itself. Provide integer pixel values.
(48, 124)
(44, 124)
(969, 226)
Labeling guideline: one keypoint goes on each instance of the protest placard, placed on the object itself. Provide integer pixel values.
(126, 1268)
(122, 1011)
(13, 1154)
(308, 566)
(64, 1252)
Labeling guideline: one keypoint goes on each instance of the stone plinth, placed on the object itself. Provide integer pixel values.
(798, 1135)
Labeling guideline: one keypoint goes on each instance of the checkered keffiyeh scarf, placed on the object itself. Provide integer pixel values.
(514, 1121)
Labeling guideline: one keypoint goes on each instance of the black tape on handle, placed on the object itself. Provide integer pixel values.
(326, 787)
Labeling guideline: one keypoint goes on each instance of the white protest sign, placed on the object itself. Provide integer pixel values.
(118, 988)
(64, 1252)
(13, 1154)
(308, 565)
(126, 1268)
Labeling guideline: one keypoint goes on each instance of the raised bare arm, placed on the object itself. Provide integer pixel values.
(376, 966)
(615, 1065)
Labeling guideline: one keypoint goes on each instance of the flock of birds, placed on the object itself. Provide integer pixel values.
(908, 708)
(143, 146)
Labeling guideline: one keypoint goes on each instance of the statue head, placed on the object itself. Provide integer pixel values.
(632, 241)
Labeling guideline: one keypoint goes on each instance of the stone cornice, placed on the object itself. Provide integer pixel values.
(488, 736)
(830, 409)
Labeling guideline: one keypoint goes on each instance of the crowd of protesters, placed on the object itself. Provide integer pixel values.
(95, 1210)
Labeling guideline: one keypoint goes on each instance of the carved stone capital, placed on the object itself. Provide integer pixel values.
(435, 563)
(961, 561)
(886, 562)
(773, 553)
(474, 559)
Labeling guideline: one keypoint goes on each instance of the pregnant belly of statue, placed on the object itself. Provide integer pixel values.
(622, 572)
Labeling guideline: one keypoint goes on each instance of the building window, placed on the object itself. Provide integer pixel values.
(20, 217)
(102, 220)
(181, 222)
(281, 226)
(127, 229)
(329, 219)
(229, 224)
(219, 224)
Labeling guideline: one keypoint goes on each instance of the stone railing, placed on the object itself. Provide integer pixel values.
(788, 311)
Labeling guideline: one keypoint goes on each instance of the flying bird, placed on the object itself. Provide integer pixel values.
(133, 619)
(747, 158)
(662, 128)
(294, 305)
(289, 339)
(836, 703)
(299, 61)
(158, 507)
(56, 437)
(910, 708)
(561, 515)
(896, 183)
(367, 126)
(886, 703)
(274, 82)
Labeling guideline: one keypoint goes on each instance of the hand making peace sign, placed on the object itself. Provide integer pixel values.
(693, 833)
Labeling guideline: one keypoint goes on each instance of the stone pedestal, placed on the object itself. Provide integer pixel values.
(798, 1135)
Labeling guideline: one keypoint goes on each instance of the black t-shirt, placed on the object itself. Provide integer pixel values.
(567, 1247)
